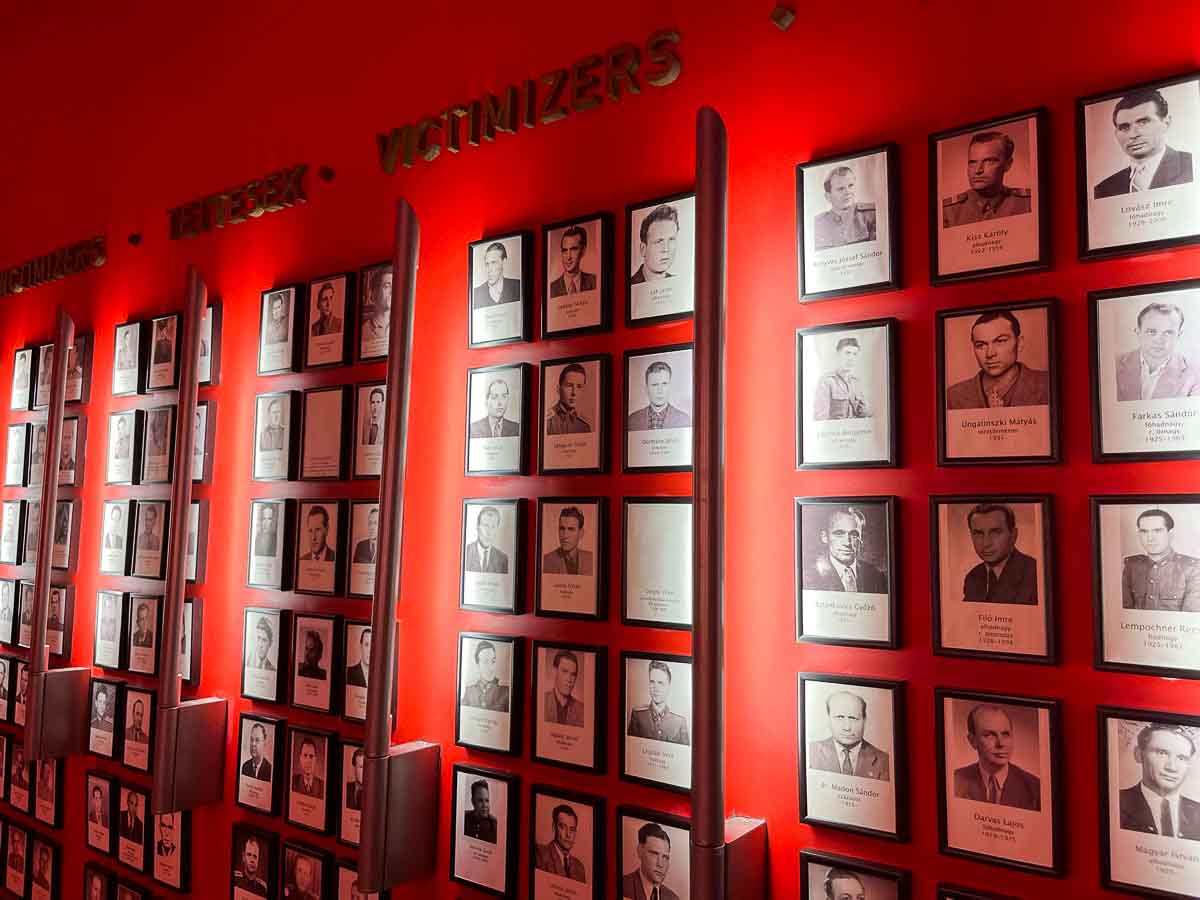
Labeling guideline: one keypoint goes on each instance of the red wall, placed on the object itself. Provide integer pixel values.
(114, 116)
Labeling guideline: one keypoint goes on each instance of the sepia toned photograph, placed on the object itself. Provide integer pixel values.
(566, 847)
(656, 699)
(485, 812)
(371, 405)
(37, 454)
(196, 555)
(101, 812)
(658, 409)
(357, 659)
(45, 368)
(657, 573)
(364, 547)
(653, 855)
(312, 771)
(264, 632)
(116, 542)
(574, 399)
(276, 338)
(16, 861)
(163, 371)
(139, 728)
(660, 282)
(323, 447)
(824, 876)
(127, 358)
(158, 445)
(316, 656)
(487, 714)
(327, 321)
(149, 557)
(572, 549)
(172, 836)
(500, 288)
(16, 456)
(202, 422)
(33, 521)
(270, 552)
(20, 779)
(133, 834)
(98, 882)
(320, 544)
(569, 705)
(350, 807)
(104, 736)
(124, 447)
(260, 763)
(59, 619)
(492, 541)
(45, 869)
(48, 805)
(497, 416)
(20, 695)
(79, 370)
(374, 311)
(254, 863)
(577, 290)
(276, 436)
(70, 453)
(24, 364)
(305, 871)
(66, 535)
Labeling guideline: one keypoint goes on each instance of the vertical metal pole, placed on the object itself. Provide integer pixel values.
(708, 505)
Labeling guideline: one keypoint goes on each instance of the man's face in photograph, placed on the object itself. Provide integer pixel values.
(569, 533)
(497, 399)
(565, 676)
(993, 539)
(481, 802)
(1157, 336)
(658, 253)
(570, 389)
(841, 193)
(317, 530)
(487, 665)
(848, 359)
(565, 829)
(654, 859)
(1154, 535)
(841, 535)
(658, 387)
(996, 346)
(1165, 762)
(660, 686)
(493, 266)
(993, 737)
(987, 163)
(847, 719)
(1140, 130)
(486, 529)
(572, 253)
(325, 300)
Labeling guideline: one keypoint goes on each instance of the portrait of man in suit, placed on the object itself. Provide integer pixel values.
(560, 706)
(359, 674)
(122, 446)
(126, 352)
(486, 692)
(114, 533)
(655, 720)
(136, 731)
(37, 456)
(16, 850)
(995, 778)
(54, 620)
(372, 428)
(658, 235)
(496, 288)
(277, 326)
(354, 784)
(165, 846)
(564, 417)
(555, 855)
(131, 827)
(482, 554)
(326, 322)
(1003, 380)
(654, 862)
(1156, 370)
(316, 523)
(568, 558)
(143, 632)
(989, 160)
(303, 883)
(365, 550)
(97, 807)
(41, 871)
(478, 821)
(307, 782)
(1141, 122)
(840, 393)
(494, 424)
(266, 535)
(150, 537)
(249, 875)
(846, 750)
(260, 656)
(164, 340)
(1160, 578)
(842, 884)
(1156, 805)
(258, 766)
(840, 566)
(1005, 575)
(658, 412)
(376, 312)
(846, 221)
(309, 664)
(572, 249)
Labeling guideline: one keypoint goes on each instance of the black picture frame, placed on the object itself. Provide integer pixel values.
(1050, 304)
(901, 877)
(678, 659)
(148, 416)
(626, 413)
(598, 699)
(632, 237)
(93, 871)
(346, 821)
(58, 635)
(209, 374)
(626, 617)
(891, 153)
(1053, 708)
(947, 891)
(371, 283)
(335, 540)
(132, 695)
(159, 572)
(17, 519)
(643, 814)
(291, 439)
(600, 559)
(600, 428)
(21, 396)
(1046, 503)
(1042, 262)
(349, 313)
(515, 559)
(352, 550)
(277, 726)
(342, 428)
(137, 355)
(321, 858)
(599, 826)
(268, 861)
(512, 817)
(332, 777)
(206, 410)
(899, 756)
(41, 392)
(196, 557)
(280, 622)
(192, 640)
(17, 882)
(522, 467)
(285, 531)
(515, 693)
(20, 793)
(334, 664)
(360, 426)
(154, 356)
(125, 534)
(81, 373)
(525, 238)
(891, 328)
(289, 358)
(100, 658)
(126, 843)
(182, 822)
(94, 839)
(49, 810)
(135, 430)
(76, 426)
(22, 432)
(114, 691)
(604, 266)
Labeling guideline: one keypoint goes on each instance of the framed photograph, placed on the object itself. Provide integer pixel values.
(853, 772)
(139, 728)
(8, 617)
(276, 431)
(497, 413)
(115, 546)
(306, 871)
(48, 806)
(191, 643)
(316, 652)
(59, 619)
(133, 837)
(163, 372)
(374, 311)
(369, 429)
(321, 542)
(658, 409)
(577, 290)
(847, 411)
(483, 829)
(16, 861)
(264, 653)
(101, 811)
(574, 403)
(569, 704)
(325, 437)
(989, 210)
(357, 655)
(20, 779)
(350, 818)
(70, 454)
(98, 882)
(824, 875)
(202, 424)
(208, 366)
(158, 446)
(500, 286)
(566, 844)
(487, 715)
(37, 454)
(660, 284)
(123, 458)
(79, 370)
(347, 884)
(20, 699)
(846, 562)
(313, 769)
(993, 585)
(24, 367)
(996, 750)
(7, 667)
(104, 734)
(1150, 807)
(16, 456)
(327, 321)
(845, 207)
(173, 849)
(46, 865)
(653, 849)
(25, 614)
(1145, 372)
(272, 524)
(364, 538)
(998, 384)
(276, 339)
(45, 368)
(657, 572)
(572, 546)
(1146, 583)
(656, 697)
(254, 864)
(33, 521)
(1138, 140)
(196, 557)
(66, 535)
(149, 558)
(12, 532)
(4, 750)
(493, 541)
(110, 628)
(127, 358)
(260, 752)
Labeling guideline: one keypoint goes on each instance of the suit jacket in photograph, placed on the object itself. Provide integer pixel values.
(547, 858)
(820, 575)
(321, 327)
(510, 292)
(1018, 582)
(316, 790)
(264, 769)
(363, 552)
(369, 440)
(1136, 815)
(631, 889)
(572, 716)
(497, 562)
(826, 756)
(558, 287)
(1174, 168)
(356, 676)
(555, 563)
(1179, 378)
(639, 419)
(130, 828)
(1021, 790)
(481, 429)
(1032, 388)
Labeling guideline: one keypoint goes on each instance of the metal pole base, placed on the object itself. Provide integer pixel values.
(189, 755)
(400, 810)
(745, 858)
(58, 713)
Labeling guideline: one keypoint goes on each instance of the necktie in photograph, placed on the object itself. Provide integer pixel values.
(571, 288)
(1137, 179)
(993, 581)
(993, 790)
(1168, 827)
(850, 581)
(483, 560)
(496, 430)
(847, 768)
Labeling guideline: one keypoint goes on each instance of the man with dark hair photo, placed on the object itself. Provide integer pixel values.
(365, 550)
(1003, 380)
(482, 554)
(372, 427)
(273, 435)
(377, 310)
(150, 537)
(317, 525)
(265, 532)
(354, 784)
(658, 235)
(307, 782)
(564, 417)
(97, 808)
(1155, 371)
(257, 766)
(839, 567)
(658, 413)
(359, 674)
(164, 340)
(1141, 121)
(845, 750)
(655, 721)
(573, 280)
(136, 731)
(840, 393)
(130, 826)
(1160, 578)
(302, 883)
(143, 633)
(478, 821)
(554, 856)
(102, 709)
(310, 661)
(995, 778)
(654, 861)
(495, 289)
(249, 875)
(277, 325)
(486, 692)
(989, 159)
(568, 558)
(560, 706)
(1005, 575)
(494, 424)
(1155, 805)
(259, 656)
(326, 322)
(846, 221)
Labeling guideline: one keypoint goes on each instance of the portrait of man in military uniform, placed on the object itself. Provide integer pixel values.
(989, 159)
(847, 221)
(840, 393)
(656, 720)
(487, 690)
(1159, 578)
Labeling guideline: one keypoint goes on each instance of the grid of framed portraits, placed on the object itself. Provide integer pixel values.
(484, 835)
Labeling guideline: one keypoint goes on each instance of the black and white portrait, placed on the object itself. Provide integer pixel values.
(485, 812)
(824, 876)
(308, 802)
(499, 287)
(255, 858)
(12, 531)
(20, 694)
(315, 652)
(489, 691)
(276, 339)
(323, 446)
(139, 728)
(64, 537)
(364, 547)
(260, 763)
(118, 516)
(653, 855)
(47, 807)
(208, 363)
(368, 430)
(25, 619)
(33, 521)
(8, 615)
(171, 835)
(573, 408)
(149, 560)
(15, 455)
(79, 370)
(374, 311)
(1136, 186)
(196, 555)
(993, 590)
(110, 625)
(45, 368)
(70, 462)
(20, 779)
(572, 555)
(16, 861)
(59, 617)
(319, 547)
(577, 285)
(497, 398)
(656, 696)
(163, 373)
(357, 656)
(133, 834)
(262, 634)
(37, 454)
(569, 714)
(347, 888)
(158, 446)
(127, 359)
(101, 792)
(98, 883)
(567, 845)
(846, 206)
(269, 565)
(658, 562)
(103, 738)
(305, 871)
(200, 448)
(122, 447)
(44, 869)
(22, 383)
(327, 324)
(145, 617)
(189, 641)
(351, 801)
(658, 409)
(660, 283)
(491, 556)
(275, 420)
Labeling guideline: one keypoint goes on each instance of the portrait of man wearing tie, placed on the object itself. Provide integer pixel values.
(317, 526)
(354, 783)
(1005, 574)
(482, 554)
(130, 828)
(654, 862)
(839, 565)
(372, 427)
(846, 750)
(306, 781)
(359, 674)
(1141, 123)
(496, 288)
(1156, 805)
(573, 246)
(555, 855)
(995, 778)
(365, 550)
(136, 731)
(258, 766)
(495, 424)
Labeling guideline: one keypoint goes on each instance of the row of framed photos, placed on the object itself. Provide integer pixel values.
(121, 723)
(259, 867)
(128, 634)
(16, 618)
(120, 824)
(31, 375)
(325, 547)
(25, 453)
(572, 412)
(19, 524)
(320, 434)
(31, 788)
(989, 197)
(141, 445)
(32, 862)
(992, 577)
(146, 353)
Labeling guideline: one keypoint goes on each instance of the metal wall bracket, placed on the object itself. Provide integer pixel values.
(189, 755)
(63, 696)
(745, 858)
(406, 781)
